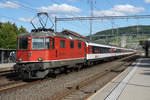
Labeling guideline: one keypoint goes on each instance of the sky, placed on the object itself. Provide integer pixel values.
(22, 12)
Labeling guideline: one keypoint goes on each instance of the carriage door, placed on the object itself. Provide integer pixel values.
(52, 49)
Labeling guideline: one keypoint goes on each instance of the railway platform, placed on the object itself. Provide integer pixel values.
(131, 84)
(6, 67)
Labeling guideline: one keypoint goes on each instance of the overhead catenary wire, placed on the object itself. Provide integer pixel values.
(26, 6)
(20, 6)
(23, 6)
(11, 18)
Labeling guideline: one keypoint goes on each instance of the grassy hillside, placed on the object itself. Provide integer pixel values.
(127, 30)
(131, 35)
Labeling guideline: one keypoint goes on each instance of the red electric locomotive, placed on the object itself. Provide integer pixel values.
(40, 53)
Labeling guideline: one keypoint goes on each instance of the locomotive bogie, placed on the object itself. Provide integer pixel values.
(40, 69)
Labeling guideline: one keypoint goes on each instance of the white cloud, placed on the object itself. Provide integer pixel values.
(147, 1)
(29, 19)
(60, 9)
(128, 9)
(119, 10)
(26, 20)
(107, 13)
(9, 4)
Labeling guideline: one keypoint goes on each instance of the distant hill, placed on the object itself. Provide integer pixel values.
(130, 33)
(144, 29)
(130, 30)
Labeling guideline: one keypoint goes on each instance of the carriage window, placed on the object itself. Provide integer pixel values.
(93, 49)
(62, 43)
(79, 44)
(23, 43)
(38, 43)
(71, 44)
(90, 49)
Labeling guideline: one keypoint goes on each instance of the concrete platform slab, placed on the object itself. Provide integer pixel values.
(132, 84)
(6, 67)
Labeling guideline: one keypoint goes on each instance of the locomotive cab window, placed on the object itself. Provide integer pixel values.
(71, 44)
(62, 43)
(42, 43)
(49, 43)
(23, 43)
(38, 43)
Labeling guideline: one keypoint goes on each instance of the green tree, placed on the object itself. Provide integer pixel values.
(8, 35)
(22, 30)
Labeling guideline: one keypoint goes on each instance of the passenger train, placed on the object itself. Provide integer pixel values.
(41, 53)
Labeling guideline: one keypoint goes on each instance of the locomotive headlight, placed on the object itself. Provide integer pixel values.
(20, 60)
(40, 59)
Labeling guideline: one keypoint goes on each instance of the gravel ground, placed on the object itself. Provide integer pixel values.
(8, 78)
(3, 81)
(92, 87)
(48, 88)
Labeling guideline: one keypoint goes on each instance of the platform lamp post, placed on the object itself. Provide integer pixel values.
(145, 44)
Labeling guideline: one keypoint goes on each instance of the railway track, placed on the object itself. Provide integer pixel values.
(7, 78)
(11, 85)
(90, 85)
(4, 73)
(13, 89)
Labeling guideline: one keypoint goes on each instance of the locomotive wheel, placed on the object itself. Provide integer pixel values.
(66, 71)
(53, 75)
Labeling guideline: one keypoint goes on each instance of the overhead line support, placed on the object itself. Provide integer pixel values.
(103, 18)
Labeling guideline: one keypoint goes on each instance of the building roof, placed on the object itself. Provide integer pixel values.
(2, 49)
(69, 32)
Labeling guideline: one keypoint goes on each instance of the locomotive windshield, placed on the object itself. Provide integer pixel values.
(40, 43)
(23, 43)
